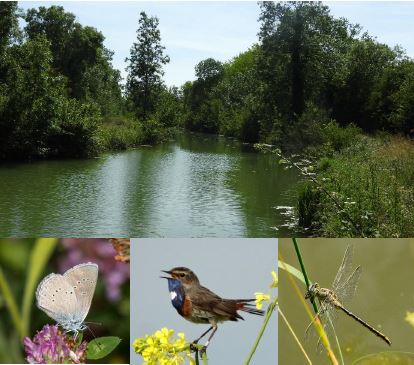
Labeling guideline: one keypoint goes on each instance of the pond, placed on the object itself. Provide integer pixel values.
(195, 186)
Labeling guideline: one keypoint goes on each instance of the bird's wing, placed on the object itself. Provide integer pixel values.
(205, 299)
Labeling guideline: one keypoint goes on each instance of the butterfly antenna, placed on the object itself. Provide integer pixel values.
(93, 334)
(96, 323)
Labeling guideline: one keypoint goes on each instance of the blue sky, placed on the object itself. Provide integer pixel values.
(193, 31)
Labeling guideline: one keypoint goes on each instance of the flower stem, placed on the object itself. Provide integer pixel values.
(269, 312)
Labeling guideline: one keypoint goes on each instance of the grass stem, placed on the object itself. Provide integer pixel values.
(269, 313)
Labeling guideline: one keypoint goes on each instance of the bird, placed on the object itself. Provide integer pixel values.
(198, 304)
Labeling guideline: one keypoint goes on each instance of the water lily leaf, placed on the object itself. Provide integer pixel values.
(387, 358)
(101, 347)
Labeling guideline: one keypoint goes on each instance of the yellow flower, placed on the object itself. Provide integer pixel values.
(260, 298)
(275, 281)
(409, 317)
(161, 348)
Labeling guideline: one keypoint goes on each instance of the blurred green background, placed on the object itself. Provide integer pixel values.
(384, 297)
(24, 263)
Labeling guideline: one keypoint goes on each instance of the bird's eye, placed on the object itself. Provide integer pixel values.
(181, 274)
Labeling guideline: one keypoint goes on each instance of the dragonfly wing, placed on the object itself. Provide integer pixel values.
(346, 290)
(345, 269)
(326, 314)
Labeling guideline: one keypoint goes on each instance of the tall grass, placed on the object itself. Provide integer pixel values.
(373, 179)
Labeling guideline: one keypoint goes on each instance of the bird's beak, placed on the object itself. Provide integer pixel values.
(166, 277)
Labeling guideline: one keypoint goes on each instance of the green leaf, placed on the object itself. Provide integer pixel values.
(10, 303)
(387, 358)
(101, 347)
(293, 270)
(41, 253)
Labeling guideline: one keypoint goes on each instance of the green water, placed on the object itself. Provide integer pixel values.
(196, 186)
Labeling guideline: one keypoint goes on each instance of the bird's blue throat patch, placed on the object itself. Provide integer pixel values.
(177, 293)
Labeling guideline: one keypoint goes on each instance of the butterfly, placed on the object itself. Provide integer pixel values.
(67, 298)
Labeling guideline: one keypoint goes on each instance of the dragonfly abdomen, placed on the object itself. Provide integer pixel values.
(366, 325)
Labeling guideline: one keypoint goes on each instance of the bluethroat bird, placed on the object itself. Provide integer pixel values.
(198, 304)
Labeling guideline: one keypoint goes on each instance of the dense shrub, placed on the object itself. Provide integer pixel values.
(120, 133)
(372, 180)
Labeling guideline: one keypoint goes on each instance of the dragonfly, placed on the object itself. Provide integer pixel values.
(343, 290)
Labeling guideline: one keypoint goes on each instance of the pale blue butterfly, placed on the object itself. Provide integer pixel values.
(67, 298)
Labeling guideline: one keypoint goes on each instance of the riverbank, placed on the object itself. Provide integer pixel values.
(105, 135)
(366, 189)
(123, 132)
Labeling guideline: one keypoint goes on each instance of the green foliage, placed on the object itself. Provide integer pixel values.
(145, 67)
(78, 54)
(200, 102)
(367, 60)
(372, 179)
(55, 86)
(169, 109)
(9, 30)
(309, 71)
(101, 347)
(307, 205)
(340, 137)
(154, 132)
(43, 249)
(72, 133)
(208, 70)
(120, 133)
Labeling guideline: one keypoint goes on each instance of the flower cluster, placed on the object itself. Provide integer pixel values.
(101, 252)
(51, 346)
(261, 297)
(162, 349)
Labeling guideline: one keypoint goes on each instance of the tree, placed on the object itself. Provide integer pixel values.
(144, 81)
(79, 54)
(9, 30)
(208, 70)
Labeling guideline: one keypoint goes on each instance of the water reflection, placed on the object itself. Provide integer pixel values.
(196, 186)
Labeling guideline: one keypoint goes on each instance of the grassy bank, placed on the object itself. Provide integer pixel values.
(123, 132)
(120, 133)
(364, 189)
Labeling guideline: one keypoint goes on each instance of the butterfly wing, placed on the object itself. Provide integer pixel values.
(82, 279)
(56, 297)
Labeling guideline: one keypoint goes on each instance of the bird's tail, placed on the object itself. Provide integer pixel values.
(244, 306)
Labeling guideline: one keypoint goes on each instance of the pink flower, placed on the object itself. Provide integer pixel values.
(51, 346)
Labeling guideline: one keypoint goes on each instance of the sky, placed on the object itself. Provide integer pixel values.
(193, 31)
(232, 268)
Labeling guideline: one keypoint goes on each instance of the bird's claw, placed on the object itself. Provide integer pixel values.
(193, 346)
